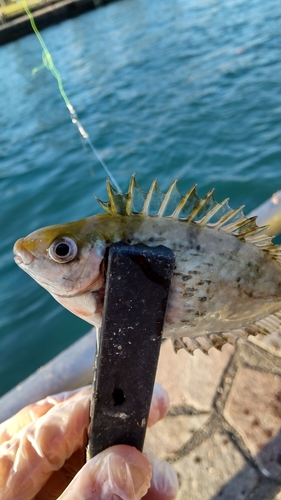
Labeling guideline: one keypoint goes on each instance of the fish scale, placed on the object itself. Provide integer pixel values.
(227, 277)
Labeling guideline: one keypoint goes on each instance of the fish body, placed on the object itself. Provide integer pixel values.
(227, 274)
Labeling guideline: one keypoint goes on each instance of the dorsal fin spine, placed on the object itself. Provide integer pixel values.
(200, 205)
(104, 205)
(227, 217)
(129, 196)
(183, 201)
(110, 192)
(145, 209)
(262, 243)
(212, 212)
(166, 199)
(242, 225)
(259, 233)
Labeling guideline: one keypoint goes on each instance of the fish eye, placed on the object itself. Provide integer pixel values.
(63, 250)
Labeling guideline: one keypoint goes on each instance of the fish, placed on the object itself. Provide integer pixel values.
(227, 278)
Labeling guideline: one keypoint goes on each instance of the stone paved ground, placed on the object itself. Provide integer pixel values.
(223, 431)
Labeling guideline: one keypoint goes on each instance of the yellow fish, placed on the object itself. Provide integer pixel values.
(227, 276)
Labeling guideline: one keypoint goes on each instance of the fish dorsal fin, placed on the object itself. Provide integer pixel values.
(190, 208)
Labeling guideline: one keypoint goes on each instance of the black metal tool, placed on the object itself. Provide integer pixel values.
(137, 286)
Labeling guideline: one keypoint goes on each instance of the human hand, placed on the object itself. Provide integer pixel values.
(42, 456)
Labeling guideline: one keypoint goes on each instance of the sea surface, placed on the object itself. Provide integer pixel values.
(185, 89)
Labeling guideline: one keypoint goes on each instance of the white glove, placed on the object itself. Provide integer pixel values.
(42, 456)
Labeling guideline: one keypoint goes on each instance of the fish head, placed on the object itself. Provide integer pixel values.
(66, 259)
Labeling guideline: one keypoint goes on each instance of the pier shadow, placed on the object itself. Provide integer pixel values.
(267, 468)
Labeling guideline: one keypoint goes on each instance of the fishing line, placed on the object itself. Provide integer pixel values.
(49, 64)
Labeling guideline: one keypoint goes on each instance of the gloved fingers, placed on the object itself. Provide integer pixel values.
(159, 404)
(34, 411)
(120, 471)
(164, 481)
(30, 413)
(61, 478)
(36, 444)
(31, 455)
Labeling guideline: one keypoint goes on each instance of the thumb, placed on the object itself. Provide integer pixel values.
(119, 472)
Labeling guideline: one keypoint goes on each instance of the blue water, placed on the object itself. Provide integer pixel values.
(183, 89)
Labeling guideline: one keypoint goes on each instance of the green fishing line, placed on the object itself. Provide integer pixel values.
(49, 64)
(46, 56)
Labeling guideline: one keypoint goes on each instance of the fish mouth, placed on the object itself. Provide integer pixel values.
(22, 255)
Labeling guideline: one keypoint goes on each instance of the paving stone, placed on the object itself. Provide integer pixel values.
(168, 435)
(270, 343)
(253, 408)
(192, 380)
(215, 470)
